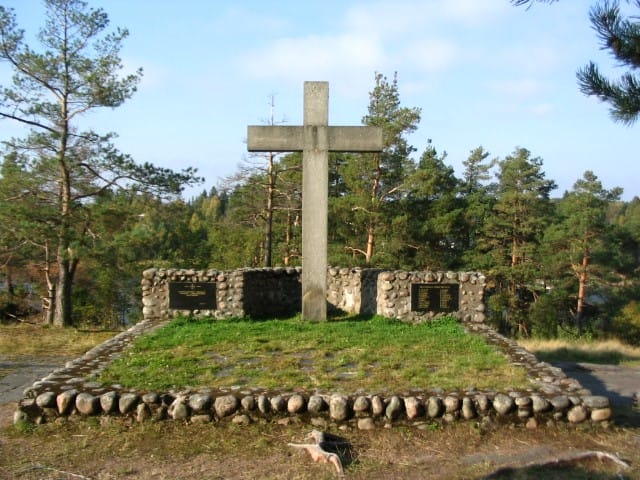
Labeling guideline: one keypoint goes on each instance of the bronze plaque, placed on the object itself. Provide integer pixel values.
(192, 295)
(434, 297)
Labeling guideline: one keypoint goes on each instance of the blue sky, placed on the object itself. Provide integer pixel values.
(484, 73)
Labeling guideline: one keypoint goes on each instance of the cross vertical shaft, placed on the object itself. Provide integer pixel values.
(315, 200)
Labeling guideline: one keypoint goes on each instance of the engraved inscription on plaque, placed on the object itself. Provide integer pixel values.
(434, 297)
(192, 295)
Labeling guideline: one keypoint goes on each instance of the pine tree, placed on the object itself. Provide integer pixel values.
(76, 71)
(435, 213)
(478, 195)
(580, 235)
(514, 231)
(375, 182)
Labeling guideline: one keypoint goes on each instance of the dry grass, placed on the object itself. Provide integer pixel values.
(22, 339)
(119, 449)
(611, 352)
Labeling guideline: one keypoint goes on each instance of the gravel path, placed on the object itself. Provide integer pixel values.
(619, 383)
(16, 374)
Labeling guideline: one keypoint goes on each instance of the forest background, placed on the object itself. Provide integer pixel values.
(556, 266)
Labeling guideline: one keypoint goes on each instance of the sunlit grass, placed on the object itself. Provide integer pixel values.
(377, 354)
(606, 352)
(24, 339)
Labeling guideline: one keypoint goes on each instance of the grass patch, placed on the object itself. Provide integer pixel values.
(121, 449)
(36, 340)
(610, 352)
(373, 355)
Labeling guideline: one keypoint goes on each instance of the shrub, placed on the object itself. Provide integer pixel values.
(626, 324)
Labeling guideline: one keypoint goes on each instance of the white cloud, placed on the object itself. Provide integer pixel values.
(431, 54)
(315, 56)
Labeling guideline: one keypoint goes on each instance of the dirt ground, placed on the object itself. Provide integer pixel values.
(105, 449)
(85, 449)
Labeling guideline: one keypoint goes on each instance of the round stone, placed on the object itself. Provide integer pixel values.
(278, 403)
(539, 404)
(178, 410)
(264, 406)
(502, 403)
(109, 402)
(577, 414)
(339, 407)
(296, 404)
(151, 398)
(66, 401)
(361, 405)
(316, 405)
(596, 401)
(451, 404)
(200, 402)
(377, 406)
(560, 403)
(143, 412)
(468, 410)
(366, 424)
(601, 414)
(482, 401)
(128, 402)
(46, 400)
(248, 402)
(226, 405)
(434, 407)
(413, 407)
(20, 416)
(87, 404)
(395, 408)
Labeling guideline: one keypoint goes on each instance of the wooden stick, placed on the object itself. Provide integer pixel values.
(574, 458)
(318, 453)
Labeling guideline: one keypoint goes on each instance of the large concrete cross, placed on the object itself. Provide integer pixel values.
(315, 139)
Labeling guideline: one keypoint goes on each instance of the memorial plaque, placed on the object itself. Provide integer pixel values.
(192, 295)
(434, 297)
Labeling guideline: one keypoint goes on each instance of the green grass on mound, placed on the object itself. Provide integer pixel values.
(372, 355)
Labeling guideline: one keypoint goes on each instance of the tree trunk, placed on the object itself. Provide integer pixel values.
(375, 191)
(48, 302)
(62, 307)
(63, 303)
(371, 241)
(268, 236)
(288, 239)
(583, 276)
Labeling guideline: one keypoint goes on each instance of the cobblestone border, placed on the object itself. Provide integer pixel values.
(552, 397)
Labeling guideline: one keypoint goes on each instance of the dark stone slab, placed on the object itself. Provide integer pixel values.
(435, 297)
(192, 295)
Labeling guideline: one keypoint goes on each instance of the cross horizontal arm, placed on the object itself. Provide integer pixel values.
(275, 139)
(355, 139)
(291, 139)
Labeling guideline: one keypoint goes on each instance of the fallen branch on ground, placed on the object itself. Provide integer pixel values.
(318, 452)
(37, 466)
(562, 461)
(19, 319)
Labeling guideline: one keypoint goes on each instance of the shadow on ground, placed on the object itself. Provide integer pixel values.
(619, 383)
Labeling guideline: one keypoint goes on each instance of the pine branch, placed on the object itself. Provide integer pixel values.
(623, 96)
